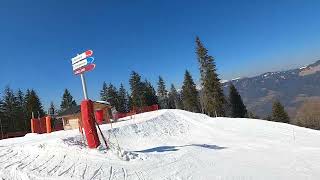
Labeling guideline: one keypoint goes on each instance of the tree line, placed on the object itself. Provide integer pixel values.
(209, 99)
(16, 109)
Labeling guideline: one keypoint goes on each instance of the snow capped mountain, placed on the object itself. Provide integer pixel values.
(224, 81)
(291, 87)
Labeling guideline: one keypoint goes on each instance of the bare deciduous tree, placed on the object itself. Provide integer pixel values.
(308, 114)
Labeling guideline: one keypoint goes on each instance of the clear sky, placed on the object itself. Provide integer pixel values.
(39, 37)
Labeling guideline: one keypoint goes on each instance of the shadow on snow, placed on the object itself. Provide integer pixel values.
(176, 148)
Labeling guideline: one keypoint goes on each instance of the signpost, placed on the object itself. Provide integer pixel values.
(83, 63)
(80, 64)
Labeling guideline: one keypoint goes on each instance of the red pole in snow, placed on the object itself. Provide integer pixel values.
(88, 123)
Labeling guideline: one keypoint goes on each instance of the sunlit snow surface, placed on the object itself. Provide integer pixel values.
(169, 144)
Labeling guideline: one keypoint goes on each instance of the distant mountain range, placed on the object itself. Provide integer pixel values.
(291, 87)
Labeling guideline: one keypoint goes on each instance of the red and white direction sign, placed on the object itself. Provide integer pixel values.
(81, 56)
(82, 63)
(89, 67)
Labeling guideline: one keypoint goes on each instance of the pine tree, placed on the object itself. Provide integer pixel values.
(174, 100)
(52, 109)
(26, 98)
(179, 105)
(123, 101)
(67, 101)
(213, 97)
(238, 109)
(278, 113)
(162, 94)
(33, 105)
(189, 94)
(251, 115)
(10, 108)
(21, 111)
(1, 120)
(149, 94)
(104, 92)
(130, 106)
(137, 90)
(112, 96)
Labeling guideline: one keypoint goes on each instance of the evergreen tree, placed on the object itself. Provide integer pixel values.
(162, 94)
(179, 105)
(238, 109)
(112, 96)
(10, 109)
(251, 115)
(28, 111)
(104, 92)
(123, 101)
(174, 100)
(26, 98)
(149, 94)
(129, 102)
(171, 99)
(21, 111)
(1, 120)
(67, 101)
(278, 113)
(32, 106)
(213, 97)
(189, 94)
(52, 109)
(137, 90)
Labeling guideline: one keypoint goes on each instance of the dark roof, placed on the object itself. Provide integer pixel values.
(70, 111)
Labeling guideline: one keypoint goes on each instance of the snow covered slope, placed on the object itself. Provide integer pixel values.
(169, 144)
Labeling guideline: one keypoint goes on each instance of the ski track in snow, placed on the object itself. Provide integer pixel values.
(169, 144)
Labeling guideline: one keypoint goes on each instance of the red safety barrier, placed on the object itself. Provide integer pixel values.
(88, 123)
(145, 109)
(41, 125)
(137, 110)
(34, 125)
(48, 124)
(99, 116)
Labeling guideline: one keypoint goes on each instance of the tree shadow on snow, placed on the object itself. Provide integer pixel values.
(176, 148)
(74, 141)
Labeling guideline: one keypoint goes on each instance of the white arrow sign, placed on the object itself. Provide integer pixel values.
(82, 63)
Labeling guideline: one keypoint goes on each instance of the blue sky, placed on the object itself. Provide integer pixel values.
(38, 39)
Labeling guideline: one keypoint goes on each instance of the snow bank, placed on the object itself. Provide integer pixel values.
(169, 144)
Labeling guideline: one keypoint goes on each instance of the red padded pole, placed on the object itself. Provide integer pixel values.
(88, 123)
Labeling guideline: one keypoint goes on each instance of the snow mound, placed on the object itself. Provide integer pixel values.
(168, 144)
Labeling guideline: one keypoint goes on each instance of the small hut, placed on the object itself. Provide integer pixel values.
(71, 118)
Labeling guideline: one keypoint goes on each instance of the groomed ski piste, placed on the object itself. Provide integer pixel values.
(169, 144)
